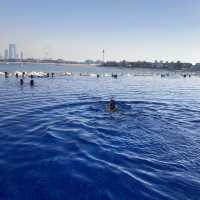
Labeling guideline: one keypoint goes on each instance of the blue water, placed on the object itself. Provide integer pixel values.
(57, 141)
(56, 68)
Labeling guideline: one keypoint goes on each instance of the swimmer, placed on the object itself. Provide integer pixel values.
(31, 82)
(112, 107)
(6, 74)
(114, 75)
(21, 81)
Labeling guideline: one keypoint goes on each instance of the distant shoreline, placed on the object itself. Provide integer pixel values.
(169, 66)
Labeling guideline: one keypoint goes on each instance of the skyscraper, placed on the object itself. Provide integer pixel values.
(6, 54)
(21, 55)
(12, 51)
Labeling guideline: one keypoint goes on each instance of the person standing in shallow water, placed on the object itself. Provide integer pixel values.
(21, 81)
(6, 74)
(31, 82)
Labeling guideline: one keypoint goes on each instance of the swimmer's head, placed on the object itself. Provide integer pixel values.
(112, 104)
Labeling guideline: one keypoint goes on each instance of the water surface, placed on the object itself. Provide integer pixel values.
(58, 142)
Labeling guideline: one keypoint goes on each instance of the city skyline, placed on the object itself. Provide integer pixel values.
(12, 53)
(77, 30)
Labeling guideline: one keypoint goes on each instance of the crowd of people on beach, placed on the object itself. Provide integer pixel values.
(45, 75)
(33, 75)
(98, 75)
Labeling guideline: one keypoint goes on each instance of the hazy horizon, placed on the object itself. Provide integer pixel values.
(79, 30)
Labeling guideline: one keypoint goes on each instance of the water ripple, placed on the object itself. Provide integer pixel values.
(57, 141)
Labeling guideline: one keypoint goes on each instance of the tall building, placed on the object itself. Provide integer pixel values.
(6, 54)
(21, 55)
(12, 51)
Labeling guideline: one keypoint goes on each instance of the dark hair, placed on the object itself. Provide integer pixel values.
(112, 104)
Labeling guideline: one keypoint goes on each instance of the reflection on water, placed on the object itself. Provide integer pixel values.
(58, 142)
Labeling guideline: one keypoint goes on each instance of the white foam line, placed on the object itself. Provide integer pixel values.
(49, 74)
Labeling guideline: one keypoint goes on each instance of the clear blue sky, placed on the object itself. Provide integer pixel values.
(80, 29)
